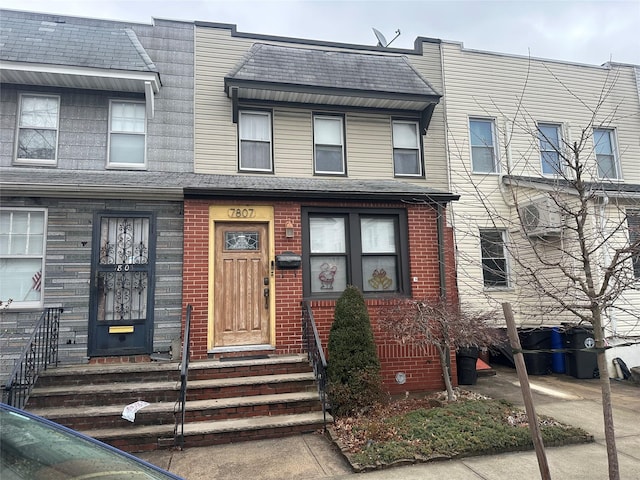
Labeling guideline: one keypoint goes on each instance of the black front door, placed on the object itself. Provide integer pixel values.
(122, 284)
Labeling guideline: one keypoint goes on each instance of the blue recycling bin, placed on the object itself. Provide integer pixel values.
(557, 343)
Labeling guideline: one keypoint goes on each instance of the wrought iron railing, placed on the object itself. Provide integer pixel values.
(178, 438)
(311, 341)
(40, 352)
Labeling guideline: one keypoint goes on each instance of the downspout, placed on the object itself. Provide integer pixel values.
(441, 252)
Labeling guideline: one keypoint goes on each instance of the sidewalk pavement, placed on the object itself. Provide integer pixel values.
(567, 399)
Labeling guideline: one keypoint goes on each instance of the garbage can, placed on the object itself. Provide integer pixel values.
(557, 358)
(538, 363)
(580, 362)
(466, 359)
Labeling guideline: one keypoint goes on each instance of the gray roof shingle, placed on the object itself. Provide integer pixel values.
(69, 181)
(331, 69)
(31, 40)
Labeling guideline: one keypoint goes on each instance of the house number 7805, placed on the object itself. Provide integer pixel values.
(241, 213)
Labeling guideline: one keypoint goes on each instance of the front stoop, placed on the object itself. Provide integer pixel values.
(227, 401)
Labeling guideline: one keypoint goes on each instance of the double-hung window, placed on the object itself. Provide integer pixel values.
(22, 247)
(633, 223)
(363, 248)
(494, 258)
(482, 136)
(255, 141)
(127, 134)
(603, 140)
(550, 158)
(38, 121)
(328, 139)
(407, 159)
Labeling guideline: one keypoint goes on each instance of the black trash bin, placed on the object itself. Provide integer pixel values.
(538, 363)
(580, 362)
(466, 359)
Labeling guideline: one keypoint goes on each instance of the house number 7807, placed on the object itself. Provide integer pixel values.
(242, 213)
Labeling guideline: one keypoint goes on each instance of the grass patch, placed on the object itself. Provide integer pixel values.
(418, 430)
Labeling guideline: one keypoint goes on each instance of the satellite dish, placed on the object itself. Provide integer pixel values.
(382, 42)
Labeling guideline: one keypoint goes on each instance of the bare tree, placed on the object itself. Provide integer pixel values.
(573, 236)
(443, 325)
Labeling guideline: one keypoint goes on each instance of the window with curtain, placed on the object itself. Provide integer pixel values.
(37, 129)
(605, 153)
(127, 134)
(483, 146)
(362, 248)
(407, 159)
(549, 136)
(22, 248)
(494, 258)
(255, 141)
(328, 139)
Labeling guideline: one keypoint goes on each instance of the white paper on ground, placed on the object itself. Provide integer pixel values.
(129, 412)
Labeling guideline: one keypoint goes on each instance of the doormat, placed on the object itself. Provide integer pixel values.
(241, 359)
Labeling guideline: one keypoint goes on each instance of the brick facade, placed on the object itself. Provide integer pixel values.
(422, 369)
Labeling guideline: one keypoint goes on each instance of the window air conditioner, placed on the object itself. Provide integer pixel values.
(541, 218)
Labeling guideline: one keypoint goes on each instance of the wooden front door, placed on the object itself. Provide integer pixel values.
(241, 284)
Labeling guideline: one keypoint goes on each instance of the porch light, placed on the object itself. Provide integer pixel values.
(288, 230)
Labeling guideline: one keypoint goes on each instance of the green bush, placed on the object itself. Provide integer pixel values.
(354, 368)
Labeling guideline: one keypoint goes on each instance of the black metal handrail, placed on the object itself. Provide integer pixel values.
(40, 351)
(311, 341)
(178, 438)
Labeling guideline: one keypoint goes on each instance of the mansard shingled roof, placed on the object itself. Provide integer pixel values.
(331, 69)
(55, 41)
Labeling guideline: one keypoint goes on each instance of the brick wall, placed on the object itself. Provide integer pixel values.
(422, 369)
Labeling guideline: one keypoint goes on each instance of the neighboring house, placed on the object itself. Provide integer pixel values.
(323, 165)
(97, 119)
(509, 119)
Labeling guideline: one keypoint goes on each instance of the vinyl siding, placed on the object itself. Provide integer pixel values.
(517, 92)
(368, 140)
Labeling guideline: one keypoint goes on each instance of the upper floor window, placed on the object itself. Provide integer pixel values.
(549, 135)
(483, 146)
(633, 223)
(127, 134)
(494, 258)
(255, 141)
(605, 153)
(357, 247)
(38, 129)
(407, 159)
(328, 139)
(22, 247)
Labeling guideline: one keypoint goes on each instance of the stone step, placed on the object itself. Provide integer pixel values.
(92, 417)
(198, 434)
(156, 392)
(170, 371)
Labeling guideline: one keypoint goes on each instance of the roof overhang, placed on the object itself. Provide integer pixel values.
(598, 189)
(246, 92)
(147, 83)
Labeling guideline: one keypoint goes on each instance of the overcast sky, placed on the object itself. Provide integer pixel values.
(579, 31)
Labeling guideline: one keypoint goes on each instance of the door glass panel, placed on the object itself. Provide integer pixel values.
(122, 296)
(122, 285)
(124, 241)
(242, 241)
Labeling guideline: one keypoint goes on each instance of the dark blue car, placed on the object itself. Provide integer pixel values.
(33, 447)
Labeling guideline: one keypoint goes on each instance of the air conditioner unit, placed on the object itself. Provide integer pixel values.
(541, 218)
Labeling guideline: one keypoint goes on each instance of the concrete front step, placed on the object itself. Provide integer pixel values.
(110, 416)
(156, 392)
(170, 371)
(198, 434)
